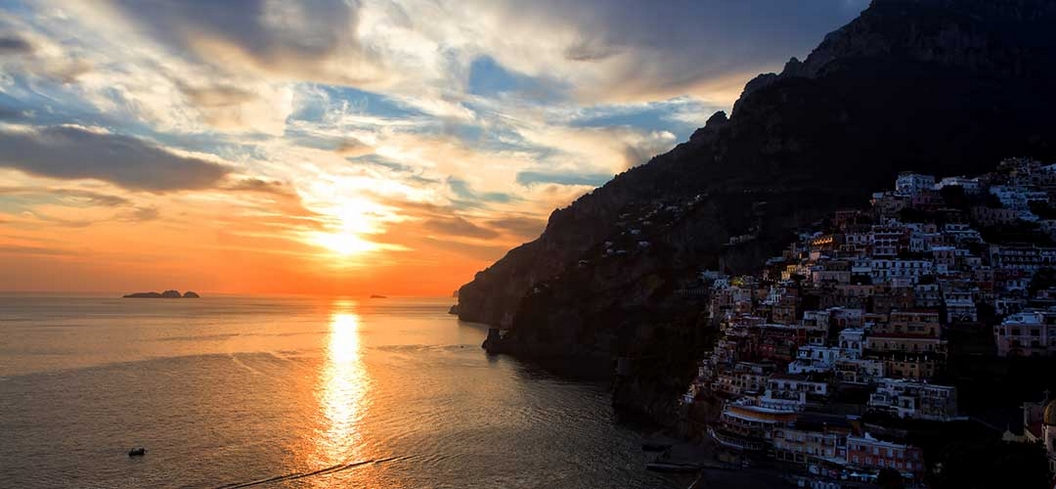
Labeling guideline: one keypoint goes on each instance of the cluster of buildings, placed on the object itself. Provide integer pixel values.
(846, 332)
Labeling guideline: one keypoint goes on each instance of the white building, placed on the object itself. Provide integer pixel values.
(799, 388)
(970, 185)
(814, 359)
(960, 306)
(852, 342)
(909, 184)
(911, 270)
(1027, 333)
(858, 370)
(927, 296)
(915, 400)
(1026, 258)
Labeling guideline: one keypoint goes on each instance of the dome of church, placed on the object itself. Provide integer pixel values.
(1050, 414)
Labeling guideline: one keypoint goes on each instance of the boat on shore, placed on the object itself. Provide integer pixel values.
(655, 446)
(673, 467)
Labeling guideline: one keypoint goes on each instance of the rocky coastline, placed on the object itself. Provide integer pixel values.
(615, 274)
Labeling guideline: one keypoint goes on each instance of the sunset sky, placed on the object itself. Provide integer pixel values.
(342, 147)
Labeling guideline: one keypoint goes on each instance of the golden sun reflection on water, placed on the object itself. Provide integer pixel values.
(342, 390)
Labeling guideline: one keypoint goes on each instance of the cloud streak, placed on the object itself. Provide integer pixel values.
(68, 153)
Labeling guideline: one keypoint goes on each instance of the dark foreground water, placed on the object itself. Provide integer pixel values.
(265, 392)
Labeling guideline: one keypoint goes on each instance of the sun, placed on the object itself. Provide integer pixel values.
(344, 243)
(348, 223)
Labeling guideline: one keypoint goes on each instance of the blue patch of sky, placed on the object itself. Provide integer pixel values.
(46, 103)
(488, 78)
(470, 133)
(17, 7)
(651, 117)
(362, 101)
(469, 198)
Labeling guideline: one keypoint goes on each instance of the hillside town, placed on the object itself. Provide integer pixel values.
(831, 357)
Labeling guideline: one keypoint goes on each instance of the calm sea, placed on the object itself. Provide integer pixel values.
(276, 392)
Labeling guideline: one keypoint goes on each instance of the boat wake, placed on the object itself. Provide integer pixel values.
(301, 475)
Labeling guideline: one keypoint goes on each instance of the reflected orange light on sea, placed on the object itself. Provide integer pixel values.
(341, 392)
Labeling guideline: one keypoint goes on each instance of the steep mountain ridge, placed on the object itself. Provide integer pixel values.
(936, 86)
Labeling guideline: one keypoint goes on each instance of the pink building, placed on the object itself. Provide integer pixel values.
(1028, 333)
(868, 453)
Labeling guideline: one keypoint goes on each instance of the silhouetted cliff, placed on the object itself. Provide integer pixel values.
(936, 86)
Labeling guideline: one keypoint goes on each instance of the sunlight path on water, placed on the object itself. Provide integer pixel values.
(342, 390)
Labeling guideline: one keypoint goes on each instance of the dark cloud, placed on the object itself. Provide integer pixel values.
(14, 44)
(671, 46)
(11, 114)
(457, 226)
(279, 36)
(666, 49)
(260, 27)
(260, 185)
(589, 50)
(527, 227)
(66, 152)
(28, 55)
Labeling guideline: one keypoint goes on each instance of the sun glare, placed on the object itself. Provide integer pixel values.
(350, 221)
(344, 243)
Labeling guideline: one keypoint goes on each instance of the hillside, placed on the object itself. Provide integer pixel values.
(937, 86)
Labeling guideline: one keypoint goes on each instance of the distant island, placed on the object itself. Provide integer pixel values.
(376, 296)
(168, 294)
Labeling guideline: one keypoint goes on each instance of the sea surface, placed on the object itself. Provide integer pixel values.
(230, 392)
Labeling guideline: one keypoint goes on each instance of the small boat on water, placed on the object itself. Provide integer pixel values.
(137, 452)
